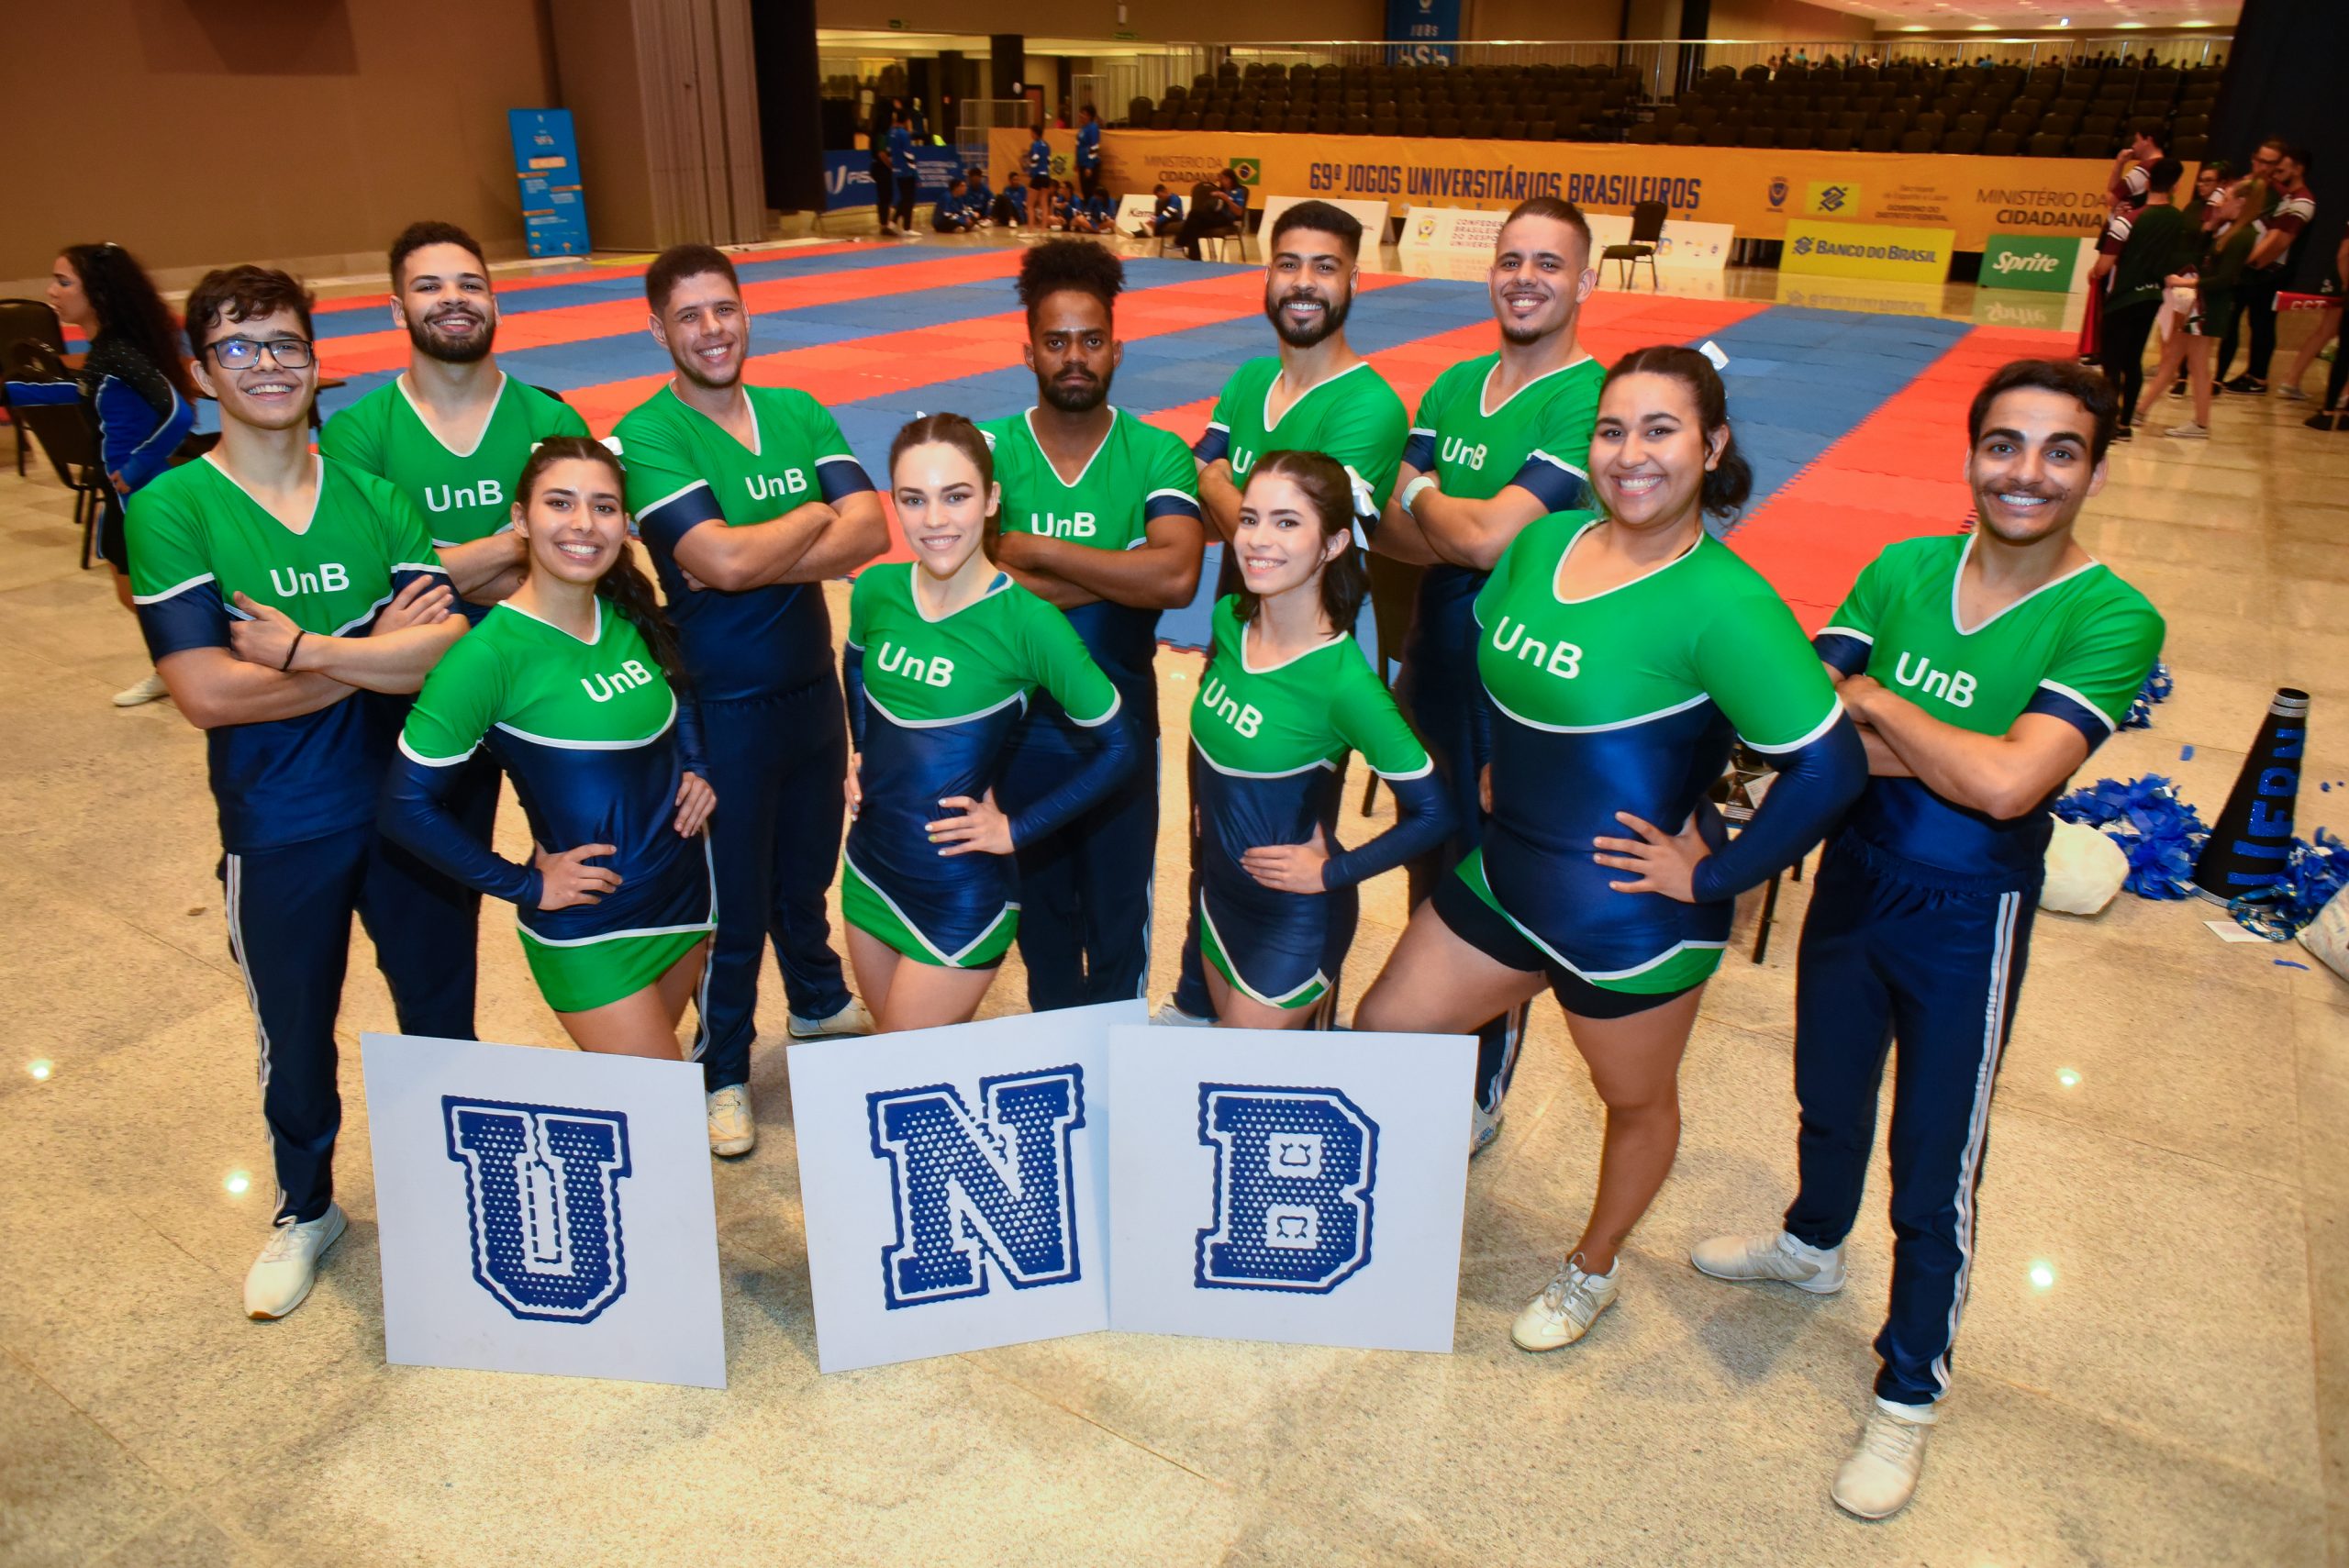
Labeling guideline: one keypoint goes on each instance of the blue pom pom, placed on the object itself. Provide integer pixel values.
(2157, 689)
(2161, 834)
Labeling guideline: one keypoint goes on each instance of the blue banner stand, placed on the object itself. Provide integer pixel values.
(546, 164)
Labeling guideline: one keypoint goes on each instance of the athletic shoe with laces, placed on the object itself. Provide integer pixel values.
(1483, 1129)
(151, 689)
(1880, 1477)
(2247, 382)
(282, 1276)
(1772, 1255)
(2188, 432)
(1174, 1017)
(1566, 1307)
(732, 1129)
(850, 1020)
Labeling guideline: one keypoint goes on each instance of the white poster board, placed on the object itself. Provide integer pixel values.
(1372, 215)
(1684, 243)
(1290, 1186)
(544, 1211)
(1135, 213)
(955, 1184)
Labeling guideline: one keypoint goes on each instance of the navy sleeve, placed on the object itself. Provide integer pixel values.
(1816, 784)
(414, 813)
(1419, 451)
(852, 683)
(1113, 756)
(190, 615)
(692, 755)
(1557, 483)
(1214, 442)
(1848, 651)
(668, 521)
(44, 393)
(1422, 821)
(841, 477)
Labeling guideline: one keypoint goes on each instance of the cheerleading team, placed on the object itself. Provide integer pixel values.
(944, 653)
(571, 683)
(1286, 694)
(1623, 651)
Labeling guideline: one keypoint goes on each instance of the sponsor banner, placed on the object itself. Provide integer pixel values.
(955, 1184)
(1866, 251)
(1755, 191)
(1289, 1185)
(2034, 312)
(545, 1211)
(1135, 212)
(1683, 243)
(2035, 262)
(546, 167)
(1452, 228)
(848, 176)
(1372, 215)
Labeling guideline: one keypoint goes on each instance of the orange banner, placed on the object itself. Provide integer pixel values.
(1755, 189)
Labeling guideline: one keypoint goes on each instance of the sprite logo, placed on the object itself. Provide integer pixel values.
(2013, 261)
(1246, 170)
(2029, 261)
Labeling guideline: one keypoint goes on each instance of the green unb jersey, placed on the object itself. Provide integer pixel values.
(1305, 713)
(1538, 436)
(1354, 417)
(198, 539)
(465, 495)
(2077, 649)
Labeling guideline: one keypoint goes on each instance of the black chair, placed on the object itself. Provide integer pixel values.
(2001, 143)
(28, 320)
(1916, 140)
(1962, 141)
(2046, 144)
(64, 434)
(1647, 227)
(2089, 144)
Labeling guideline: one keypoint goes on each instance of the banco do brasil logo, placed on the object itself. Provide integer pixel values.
(1833, 198)
(1246, 170)
(1802, 244)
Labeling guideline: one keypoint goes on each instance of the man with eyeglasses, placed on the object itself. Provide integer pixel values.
(280, 593)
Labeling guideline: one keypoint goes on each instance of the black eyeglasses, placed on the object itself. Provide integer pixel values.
(243, 353)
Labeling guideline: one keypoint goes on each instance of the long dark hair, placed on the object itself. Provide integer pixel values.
(625, 585)
(1329, 490)
(1730, 480)
(128, 307)
(952, 430)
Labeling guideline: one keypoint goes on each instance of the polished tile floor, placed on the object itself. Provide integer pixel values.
(2155, 1367)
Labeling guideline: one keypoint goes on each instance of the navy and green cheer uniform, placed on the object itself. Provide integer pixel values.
(1354, 417)
(464, 497)
(759, 665)
(1629, 700)
(1538, 439)
(137, 416)
(597, 744)
(1086, 889)
(1268, 750)
(933, 704)
(296, 797)
(1919, 924)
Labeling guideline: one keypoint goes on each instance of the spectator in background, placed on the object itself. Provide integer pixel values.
(953, 213)
(2125, 188)
(1040, 178)
(980, 199)
(1218, 208)
(133, 388)
(1010, 209)
(1165, 216)
(2138, 250)
(1088, 152)
(2328, 326)
(1089, 215)
(885, 175)
(2278, 229)
(902, 165)
(2213, 280)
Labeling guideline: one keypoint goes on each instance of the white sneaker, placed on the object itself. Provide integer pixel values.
(1777, 1255)
(1566, 1307)
(2291, 394)
(850, 1020)
(1483, 1129)
(731, 1128)
(151, 689)
(1880, 1477)
(1176, 1018)
(2189, 433)
(282, 1276)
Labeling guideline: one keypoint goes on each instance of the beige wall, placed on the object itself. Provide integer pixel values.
(1783, 19)
(198, 132)
(1184, 21)
(1544, 18)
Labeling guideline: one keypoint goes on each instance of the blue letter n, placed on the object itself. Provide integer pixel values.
(967, 1191)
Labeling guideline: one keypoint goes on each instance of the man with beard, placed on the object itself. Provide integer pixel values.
(452, 431)
(279, 593)
(1100, 515)
(1501, 439)
(748, 498)
(1315, 394)
(1983, 669)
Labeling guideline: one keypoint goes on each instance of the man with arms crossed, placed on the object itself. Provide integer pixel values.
(748, 499)
(1315, 394)
(1100, 518)
(1983, 669)
(452, 434)
(279, 592)
(1501, 439)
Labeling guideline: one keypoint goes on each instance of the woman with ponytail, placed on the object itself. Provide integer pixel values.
(1623, 651)
(573, 685)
